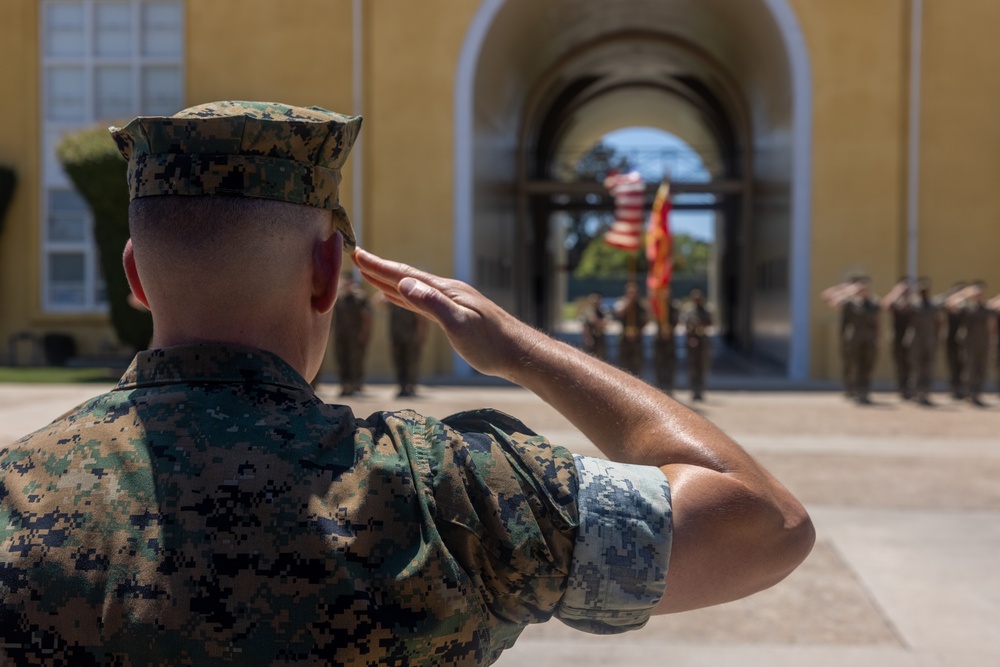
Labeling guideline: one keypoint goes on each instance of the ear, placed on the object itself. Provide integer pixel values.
(132, 274)
(327, 259)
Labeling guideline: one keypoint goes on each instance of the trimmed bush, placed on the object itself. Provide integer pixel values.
(98, 171)
(8, 179)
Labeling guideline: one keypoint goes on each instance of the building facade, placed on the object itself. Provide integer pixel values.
(804, 109)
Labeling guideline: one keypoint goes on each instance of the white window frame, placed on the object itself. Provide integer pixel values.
(52, 175)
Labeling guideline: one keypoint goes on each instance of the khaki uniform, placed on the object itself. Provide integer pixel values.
(859, 339)
(696, 321)
(351, 322)
(404, 334)
(633, 316)
(212, 510)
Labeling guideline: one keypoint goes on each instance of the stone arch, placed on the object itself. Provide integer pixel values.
(798, 155)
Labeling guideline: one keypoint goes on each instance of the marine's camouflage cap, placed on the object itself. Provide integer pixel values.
(242, 149)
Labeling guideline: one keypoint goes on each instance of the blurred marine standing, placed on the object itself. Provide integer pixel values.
(407, 331)
(697, 320)
(352, 323)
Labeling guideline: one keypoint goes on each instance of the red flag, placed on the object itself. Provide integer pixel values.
(659, 253)
(629, 192)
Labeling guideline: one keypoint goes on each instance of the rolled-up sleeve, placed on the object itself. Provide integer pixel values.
(622, 549)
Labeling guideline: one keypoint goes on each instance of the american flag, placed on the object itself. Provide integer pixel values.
(629, 192)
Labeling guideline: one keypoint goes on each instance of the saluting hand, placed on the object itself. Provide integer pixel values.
(489, 338)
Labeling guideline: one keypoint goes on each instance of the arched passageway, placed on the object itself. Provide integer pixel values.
(537, 79)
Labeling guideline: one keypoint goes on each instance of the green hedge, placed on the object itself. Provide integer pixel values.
(8, 179)
(98, 171)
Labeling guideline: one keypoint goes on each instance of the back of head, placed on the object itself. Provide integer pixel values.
(222, 250)
(228, 200)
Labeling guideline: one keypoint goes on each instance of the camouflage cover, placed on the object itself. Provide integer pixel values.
(211, 509)
(244, 149)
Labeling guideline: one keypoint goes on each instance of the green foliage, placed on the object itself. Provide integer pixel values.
(594, 165)
(691, 255)
(8, 180)
(98, 172)
(599, 260)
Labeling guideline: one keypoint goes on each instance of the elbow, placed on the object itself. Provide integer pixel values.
(791, 543)
(799, 536)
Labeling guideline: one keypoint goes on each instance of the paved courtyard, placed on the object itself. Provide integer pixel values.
(906, 502)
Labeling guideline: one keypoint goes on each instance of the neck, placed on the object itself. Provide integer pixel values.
(288, 339)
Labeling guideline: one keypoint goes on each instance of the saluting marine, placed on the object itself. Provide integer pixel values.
(973, 337)
(897, 302)
(859, 325)
(953, 348)
(212, 509)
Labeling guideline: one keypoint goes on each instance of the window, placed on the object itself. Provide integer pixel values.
(102, 61)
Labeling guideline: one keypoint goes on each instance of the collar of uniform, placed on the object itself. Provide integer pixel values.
(210, 363)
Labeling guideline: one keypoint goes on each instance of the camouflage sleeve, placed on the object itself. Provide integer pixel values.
(622, 547)
(505, 505)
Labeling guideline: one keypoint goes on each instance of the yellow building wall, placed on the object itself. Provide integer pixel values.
(960, 142)
(411, 66)
(859, 58)
(19, 150)
(20, 240)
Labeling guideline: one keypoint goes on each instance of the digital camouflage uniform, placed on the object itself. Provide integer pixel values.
(696, 321)
(665, 350)
(922, 342)
(633, 316)
(974, 339)
(954, 352)
(593, 323)
(859, 340)
(212, 509)
(351, 322)
(404, 332)
(901, 352)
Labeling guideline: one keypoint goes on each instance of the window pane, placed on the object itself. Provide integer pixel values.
(114, 92)
(113, 22)
(161, 90)
(64, 30)
(68, 216)
(66, 93)
(67, 266)
(100, 292)
(66, 279)
(161, 29)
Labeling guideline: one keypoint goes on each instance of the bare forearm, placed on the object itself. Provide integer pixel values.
(628, 420)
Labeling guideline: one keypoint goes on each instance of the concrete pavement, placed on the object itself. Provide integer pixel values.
(907, 507)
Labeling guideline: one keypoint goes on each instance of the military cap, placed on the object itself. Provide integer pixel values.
(242, 149)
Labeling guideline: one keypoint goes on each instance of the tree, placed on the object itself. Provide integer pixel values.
(98, 171)
(599, 260)
(691, 255)
(594, 165)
